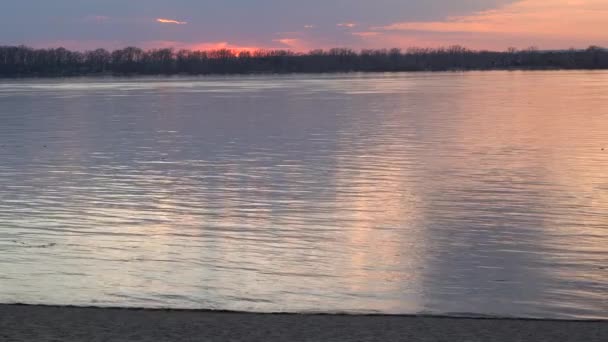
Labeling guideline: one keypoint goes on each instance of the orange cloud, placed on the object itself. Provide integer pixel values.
(348, 25)
(365, 34)
(572, 20)
(171, 21)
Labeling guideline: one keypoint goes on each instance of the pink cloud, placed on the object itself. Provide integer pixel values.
(295, 44)
(366, 34)
(577, 22)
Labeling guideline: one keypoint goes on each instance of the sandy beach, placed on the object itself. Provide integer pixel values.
(48, 323)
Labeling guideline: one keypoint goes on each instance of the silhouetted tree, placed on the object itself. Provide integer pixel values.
(25, 61)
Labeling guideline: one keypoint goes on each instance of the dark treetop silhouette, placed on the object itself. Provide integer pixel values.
(18, 61)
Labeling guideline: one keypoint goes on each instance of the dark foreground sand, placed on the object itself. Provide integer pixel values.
(39, 323)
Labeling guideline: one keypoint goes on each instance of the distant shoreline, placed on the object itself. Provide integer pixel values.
(328, 73)
(22, 61)
(34, 323)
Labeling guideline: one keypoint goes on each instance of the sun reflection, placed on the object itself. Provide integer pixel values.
(385, 235)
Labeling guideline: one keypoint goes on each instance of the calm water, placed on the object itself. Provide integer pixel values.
(454, 193)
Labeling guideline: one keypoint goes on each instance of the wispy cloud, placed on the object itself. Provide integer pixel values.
(581, 19)
(309, 27)
(366, 34)
(286, 41)
(295, 44)
(171, 21)
(348, 25)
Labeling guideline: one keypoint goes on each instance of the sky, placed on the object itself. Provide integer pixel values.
(304, 25)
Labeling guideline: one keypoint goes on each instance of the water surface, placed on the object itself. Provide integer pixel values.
(459, 193)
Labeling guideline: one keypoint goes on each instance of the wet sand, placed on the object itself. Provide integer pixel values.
(47, 323)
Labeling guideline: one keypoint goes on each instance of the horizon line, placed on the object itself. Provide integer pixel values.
(262, 49)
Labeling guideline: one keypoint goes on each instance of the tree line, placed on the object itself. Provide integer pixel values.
(21, 61)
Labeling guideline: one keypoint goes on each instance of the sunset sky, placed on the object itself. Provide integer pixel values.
(304, 25)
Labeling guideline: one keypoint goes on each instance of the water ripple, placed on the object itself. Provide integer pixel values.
(479, 193)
